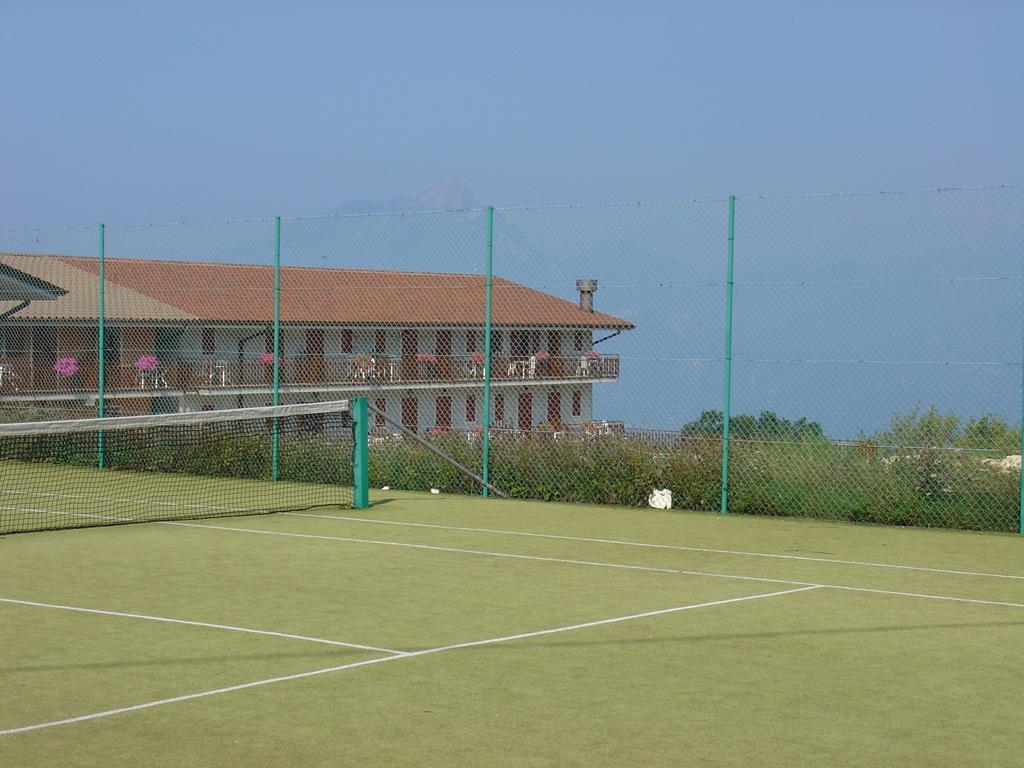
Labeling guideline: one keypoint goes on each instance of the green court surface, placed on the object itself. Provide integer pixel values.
(454, 631)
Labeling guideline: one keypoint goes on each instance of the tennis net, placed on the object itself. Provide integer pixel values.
(244, 461)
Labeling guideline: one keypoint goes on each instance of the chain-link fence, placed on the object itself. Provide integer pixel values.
(852, 357)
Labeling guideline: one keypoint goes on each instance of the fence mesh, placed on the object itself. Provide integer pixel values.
(875, 349)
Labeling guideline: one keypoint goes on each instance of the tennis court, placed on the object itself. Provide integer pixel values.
(438, 630)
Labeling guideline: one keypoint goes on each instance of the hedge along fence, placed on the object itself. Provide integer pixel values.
(953, 487)
(816, 478)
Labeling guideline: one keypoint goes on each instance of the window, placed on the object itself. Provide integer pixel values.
(495, 343)
(577, 403)
(499, 407)
(470, 408)
(471, 341)
(209, 341)
(380, 341)
(577, 340)
(346, 341)
(378, 418)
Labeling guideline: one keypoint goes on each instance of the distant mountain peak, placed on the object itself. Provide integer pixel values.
(445, 196)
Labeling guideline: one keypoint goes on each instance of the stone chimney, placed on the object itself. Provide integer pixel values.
(586, 289)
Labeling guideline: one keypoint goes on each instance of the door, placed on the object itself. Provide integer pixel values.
(314, 361)
(554, 408)
(443, 412)
(44, 355)
(445, 364)
(410, 414)
(410, 346)
(525, 420)
(167, 343)
(556, 364)
(80, 344)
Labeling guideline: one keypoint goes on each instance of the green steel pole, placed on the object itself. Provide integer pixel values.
(277, 341)
(727, 376)
(100, 344)
(486, 460)
(360, 454)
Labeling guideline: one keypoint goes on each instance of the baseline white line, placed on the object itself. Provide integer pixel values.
(626, 543)
(683, 572)
(618, 542)
(208, 625)
(366, 663)
(710, 574)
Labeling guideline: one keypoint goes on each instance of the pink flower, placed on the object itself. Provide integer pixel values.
(541, 355)
(478, 357)
(267, 358)
(66, 366)
(147, 363)
(435, 431)
(426, 357)
(363, 362)
(593, 355)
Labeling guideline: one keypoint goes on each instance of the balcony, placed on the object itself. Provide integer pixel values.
(21, 377)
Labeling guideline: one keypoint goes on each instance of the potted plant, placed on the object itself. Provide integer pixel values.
(363, 363)
(68, 371)
(147, 363)
(427, 364)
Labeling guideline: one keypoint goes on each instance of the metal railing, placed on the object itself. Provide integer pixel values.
(28, 376)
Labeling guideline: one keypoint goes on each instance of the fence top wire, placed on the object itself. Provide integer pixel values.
(554, 206)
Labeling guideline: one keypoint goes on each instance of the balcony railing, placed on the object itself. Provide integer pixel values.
(19, 375)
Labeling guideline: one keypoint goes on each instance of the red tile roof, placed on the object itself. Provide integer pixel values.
(242, 293)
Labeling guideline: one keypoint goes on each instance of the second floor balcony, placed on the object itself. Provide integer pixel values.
(42, 375)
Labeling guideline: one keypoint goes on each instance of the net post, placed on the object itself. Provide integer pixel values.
(727, 373)
(360, 454)
(486, 458)
(100, 344)
(276, 397)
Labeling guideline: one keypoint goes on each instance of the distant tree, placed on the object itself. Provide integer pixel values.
(766, 426)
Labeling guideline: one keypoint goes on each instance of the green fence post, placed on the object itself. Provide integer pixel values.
(727, 375)
(489, 282)
(101, 346)
(277, 343)
(360, 454)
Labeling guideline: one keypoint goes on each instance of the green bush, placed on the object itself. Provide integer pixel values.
(926, 469)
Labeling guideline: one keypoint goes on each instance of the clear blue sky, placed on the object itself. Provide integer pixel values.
(150, 111)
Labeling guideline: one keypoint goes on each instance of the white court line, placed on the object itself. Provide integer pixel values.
(166, 620)
(684, 572)
(366, 663)
(711, 574)
(627, 543)
(618, 542)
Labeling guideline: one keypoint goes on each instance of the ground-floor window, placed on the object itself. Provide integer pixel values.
(470, 408)
(577, 403)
